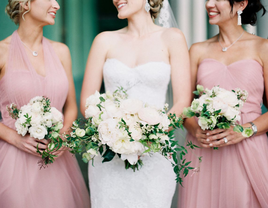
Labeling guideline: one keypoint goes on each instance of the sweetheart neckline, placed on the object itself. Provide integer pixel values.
(215, 60)
(138, 66)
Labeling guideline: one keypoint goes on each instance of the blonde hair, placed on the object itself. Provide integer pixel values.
(14, 9)
(156, 6)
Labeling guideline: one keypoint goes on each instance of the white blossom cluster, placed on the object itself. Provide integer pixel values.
(122, 123)
(37, 118)
(216, 104)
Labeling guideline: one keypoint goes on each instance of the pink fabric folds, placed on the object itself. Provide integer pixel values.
(235, 176)
(22, 184)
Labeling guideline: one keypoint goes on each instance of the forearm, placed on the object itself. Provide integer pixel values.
(7, 134)
(191, 125)
(70, 115)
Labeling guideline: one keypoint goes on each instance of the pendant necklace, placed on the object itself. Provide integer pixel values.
(35, 53)
(224, 49)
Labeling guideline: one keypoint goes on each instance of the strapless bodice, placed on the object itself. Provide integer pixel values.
(245, 74)
(147, 82)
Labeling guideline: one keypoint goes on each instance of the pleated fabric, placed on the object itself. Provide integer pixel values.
(234, 176)
(22, 183)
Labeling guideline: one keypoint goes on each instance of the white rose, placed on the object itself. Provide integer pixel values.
(203, 123)
(93, 99)
(92, 152)
(149, 115)
(56, 115)
(26, 109)
(96, 121)
(37, 107)
(80, 132)
(20, 129)
(47, 119)
(92, 111)
(36, 119)
(153, 136)
(195, 105)
(131, 106)
(38, 132)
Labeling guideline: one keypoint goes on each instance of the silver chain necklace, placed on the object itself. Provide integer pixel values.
(35, 53)
(224, 49)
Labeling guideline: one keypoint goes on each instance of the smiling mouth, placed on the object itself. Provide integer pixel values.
(53, 14)
(121, 5)
(213, 13)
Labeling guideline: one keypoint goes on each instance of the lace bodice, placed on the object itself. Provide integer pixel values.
(147, 82)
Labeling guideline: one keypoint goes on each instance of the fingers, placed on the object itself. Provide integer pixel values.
(215, 132)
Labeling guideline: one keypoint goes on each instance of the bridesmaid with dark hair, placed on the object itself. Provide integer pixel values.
(235, 175)
(31, 65)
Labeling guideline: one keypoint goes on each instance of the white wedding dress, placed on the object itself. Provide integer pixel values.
(153, 186)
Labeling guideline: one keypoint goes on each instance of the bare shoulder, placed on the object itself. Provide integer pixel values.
(61, 50)
(4, 47)
(173, 34)
(108, 37)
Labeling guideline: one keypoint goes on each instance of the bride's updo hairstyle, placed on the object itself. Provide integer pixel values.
(14, 10)
(156, 6)
(249, 15)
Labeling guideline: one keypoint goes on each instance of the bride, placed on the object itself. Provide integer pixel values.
(141, 58)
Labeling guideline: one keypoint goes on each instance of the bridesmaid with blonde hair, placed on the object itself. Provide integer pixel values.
(235, 175)
(31, 65)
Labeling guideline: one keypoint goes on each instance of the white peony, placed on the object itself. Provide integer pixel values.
(164, 122)
(112, 110)
(149, 115)
(228, 97)
(92, 111)
(38, 132)
(131, 106)
(136, 133)
(219, 104)
(232, 113)
(93, 99)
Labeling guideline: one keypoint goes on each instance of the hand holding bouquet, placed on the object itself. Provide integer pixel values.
(217, 108)
(41, 121)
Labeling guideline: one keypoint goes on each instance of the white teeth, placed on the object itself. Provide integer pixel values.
(52, 13)
(213, 13)
(121, 5)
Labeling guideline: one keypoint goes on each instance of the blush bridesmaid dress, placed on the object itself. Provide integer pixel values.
(22, 183)
(234, 176)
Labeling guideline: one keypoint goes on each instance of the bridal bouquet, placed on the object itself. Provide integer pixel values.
(125, 127)
(41, 121)
(217, 108)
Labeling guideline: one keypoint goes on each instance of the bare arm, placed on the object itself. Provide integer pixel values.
(180, 70)
(190, 123)
(93, 74)
(70, 107)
